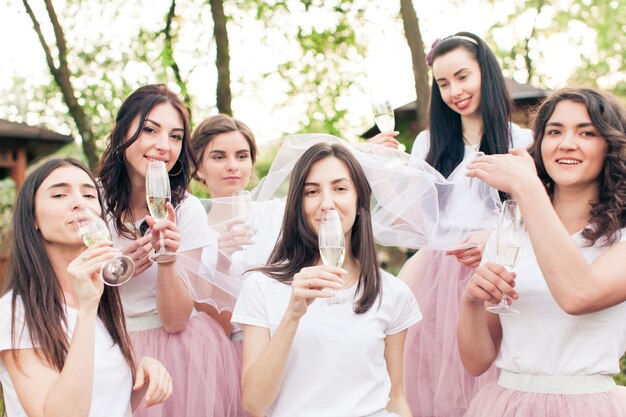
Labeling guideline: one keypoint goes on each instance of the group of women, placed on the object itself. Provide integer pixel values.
(69, 344)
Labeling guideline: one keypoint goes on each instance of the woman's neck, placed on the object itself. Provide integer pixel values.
(572, 205)
(472, 129)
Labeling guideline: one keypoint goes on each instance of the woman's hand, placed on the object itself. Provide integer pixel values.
(508, 173)
(139, 252)
(152, 382)
(85, 273)
(387, 139)
(171, 235)
(232, 238)
(489, 283)
(472, 253)
(308, 284)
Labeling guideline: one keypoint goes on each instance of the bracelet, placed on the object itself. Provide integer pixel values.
(173, 261)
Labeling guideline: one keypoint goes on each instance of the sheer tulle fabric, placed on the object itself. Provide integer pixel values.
(436, 382)
(413, 205)
(495, 401)
(204, 368)
(215, 278)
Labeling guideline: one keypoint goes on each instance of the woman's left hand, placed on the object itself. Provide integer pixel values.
(508, 172)
(153, 379)
(171, 235)
(471, 256)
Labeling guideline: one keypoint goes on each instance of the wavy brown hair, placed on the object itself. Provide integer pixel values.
(607, 215)
(297, 246)
(33, 281)
(111, 170)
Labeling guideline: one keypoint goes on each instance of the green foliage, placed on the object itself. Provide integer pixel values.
(7, 200)
(620, 378)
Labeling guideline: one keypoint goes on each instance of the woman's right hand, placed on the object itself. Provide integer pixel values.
(387, 139)
(489, 283)
(85, 273)
(232, 239)
(309, 283)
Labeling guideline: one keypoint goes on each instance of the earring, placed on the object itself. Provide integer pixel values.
(179, 170)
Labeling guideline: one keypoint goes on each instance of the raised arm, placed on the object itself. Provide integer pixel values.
(577, 286)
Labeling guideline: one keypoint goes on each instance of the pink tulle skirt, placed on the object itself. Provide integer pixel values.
(495, 401)
(437, 385)
(204, 368)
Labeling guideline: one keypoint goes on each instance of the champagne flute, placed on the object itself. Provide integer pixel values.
(158, 194)
(241, 208)
(509, 236)
(383, 115)
(92, 229)
(332, 245)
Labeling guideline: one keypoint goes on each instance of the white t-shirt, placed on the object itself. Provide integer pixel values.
(336, 366)
(520, 138)
(112, 382)
(544, 340)
(461, 202)
(139, 294)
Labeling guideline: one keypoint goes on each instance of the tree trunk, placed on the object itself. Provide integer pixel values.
(222, 60)
(420, 68)
(168, 58)
(61, 75)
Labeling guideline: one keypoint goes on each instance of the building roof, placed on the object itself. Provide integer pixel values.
(14, 130)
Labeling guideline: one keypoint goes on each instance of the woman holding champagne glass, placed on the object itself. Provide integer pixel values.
(64, 350)
(301, 358)
(569, 284)
(144, 174)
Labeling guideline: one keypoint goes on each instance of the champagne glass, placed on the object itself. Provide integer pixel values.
(241, 208)
(92, 229)
(509, 236)
(383, 114)
(332, 245)
(158, 194)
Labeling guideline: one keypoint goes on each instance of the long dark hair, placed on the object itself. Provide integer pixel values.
(112, 172)
(608, 116)
(446, 131)
(297, 245)
(34, 282)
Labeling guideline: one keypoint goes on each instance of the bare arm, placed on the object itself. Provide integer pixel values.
(394, 356)
(577, 286)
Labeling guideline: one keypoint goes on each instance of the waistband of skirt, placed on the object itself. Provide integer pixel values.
(146, 322)
(556, 384)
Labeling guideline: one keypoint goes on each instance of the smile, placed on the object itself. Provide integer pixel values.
(568, 161)
(462, 104)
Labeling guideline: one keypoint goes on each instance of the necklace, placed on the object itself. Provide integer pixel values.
(474, 147)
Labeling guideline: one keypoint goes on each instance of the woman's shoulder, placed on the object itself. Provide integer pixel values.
(520, 137)
(393, 283)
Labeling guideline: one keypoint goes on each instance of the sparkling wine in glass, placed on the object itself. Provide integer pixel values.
(158, 194)
(383, 115)
(332, 245)
(241, 207)
(92, 229)
(509, 236)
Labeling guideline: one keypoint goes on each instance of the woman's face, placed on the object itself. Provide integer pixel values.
(58, 195)
(572, 149)
(226, 165)
(160, 140)
(457, 74)
(329, 186)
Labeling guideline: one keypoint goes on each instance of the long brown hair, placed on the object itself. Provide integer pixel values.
(607, 215)
(33, 281)
(297, 245)
(111, 170)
